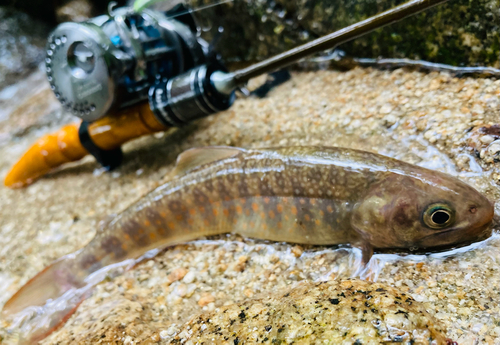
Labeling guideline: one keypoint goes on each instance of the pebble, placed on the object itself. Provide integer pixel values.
(177, 274)
(248, 293)
(297, 251)
(494, 148)
(181, 290)
(189, 277)
(486, 139)
(386, 109)
(206, 299)
(390, 120)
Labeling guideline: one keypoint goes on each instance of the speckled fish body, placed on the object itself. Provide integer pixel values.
(308, 195)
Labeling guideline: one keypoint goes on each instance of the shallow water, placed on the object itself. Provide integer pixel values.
(328, 108)
(344, 262)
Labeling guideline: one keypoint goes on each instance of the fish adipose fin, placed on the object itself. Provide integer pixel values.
(50, 283)
(193, 158)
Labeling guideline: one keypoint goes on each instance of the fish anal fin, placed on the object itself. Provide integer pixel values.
(195, 157)
(103, 224)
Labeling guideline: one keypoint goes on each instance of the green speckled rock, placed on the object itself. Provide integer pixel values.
(460, 32)
(336, 312)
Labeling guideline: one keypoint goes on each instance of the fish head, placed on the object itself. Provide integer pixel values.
(428, 210)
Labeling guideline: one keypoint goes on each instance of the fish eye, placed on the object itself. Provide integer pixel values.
(438, 216)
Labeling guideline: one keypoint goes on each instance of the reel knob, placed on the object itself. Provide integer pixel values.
(80, 65)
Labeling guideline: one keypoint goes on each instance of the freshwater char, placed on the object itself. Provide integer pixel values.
(307, 195)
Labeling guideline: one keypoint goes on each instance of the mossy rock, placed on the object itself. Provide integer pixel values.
(460, 32)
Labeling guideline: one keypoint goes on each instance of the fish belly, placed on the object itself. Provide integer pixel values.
(288, 219)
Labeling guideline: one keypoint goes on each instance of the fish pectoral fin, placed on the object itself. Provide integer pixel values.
(364, 271)
(366, 251)
(195, 157)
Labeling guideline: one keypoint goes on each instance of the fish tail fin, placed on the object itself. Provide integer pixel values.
(50, 283)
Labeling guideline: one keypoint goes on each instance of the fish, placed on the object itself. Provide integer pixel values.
(307, 195)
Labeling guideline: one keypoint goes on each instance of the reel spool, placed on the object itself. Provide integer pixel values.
(112, 60)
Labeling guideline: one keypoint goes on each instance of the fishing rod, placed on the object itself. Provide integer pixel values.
(132, 73)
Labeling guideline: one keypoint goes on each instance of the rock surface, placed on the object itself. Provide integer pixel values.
(338, 312)
(458, 32)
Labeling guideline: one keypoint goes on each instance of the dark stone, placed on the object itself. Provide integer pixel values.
(334, 301)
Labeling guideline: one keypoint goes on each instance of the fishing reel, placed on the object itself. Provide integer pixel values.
(111, 61)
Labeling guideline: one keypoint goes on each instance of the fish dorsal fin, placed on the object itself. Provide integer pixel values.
(192, 158)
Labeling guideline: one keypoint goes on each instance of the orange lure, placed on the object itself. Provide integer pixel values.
(55, 149)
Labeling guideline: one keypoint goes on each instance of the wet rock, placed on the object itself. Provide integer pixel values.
(22, 45)
(350, 311)
(457, 32)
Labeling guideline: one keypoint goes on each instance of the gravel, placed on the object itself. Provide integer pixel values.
(433, 120)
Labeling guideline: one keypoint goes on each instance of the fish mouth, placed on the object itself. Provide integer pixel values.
(425, 250)
(440, 233)
(448, 247)
(472, 235)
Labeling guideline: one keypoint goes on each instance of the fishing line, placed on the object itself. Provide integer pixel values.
(139, 5)
(337, 58)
